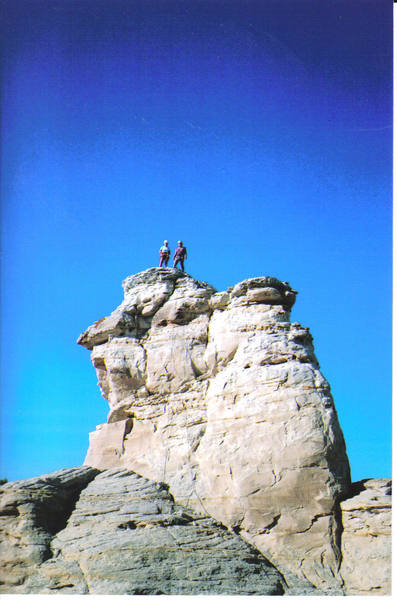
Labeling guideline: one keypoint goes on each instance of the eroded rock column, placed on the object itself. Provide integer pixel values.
(220, 396)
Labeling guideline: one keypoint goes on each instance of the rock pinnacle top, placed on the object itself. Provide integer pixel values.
(146, 292)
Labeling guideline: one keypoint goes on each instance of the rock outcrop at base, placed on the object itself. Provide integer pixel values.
(124, 535)
(90, 532)
(221, 397)
(32, 511)
(366, 540)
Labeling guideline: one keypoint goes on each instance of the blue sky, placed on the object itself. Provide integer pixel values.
(258, 132)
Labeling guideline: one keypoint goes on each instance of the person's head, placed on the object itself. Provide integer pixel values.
(165, 243)
(179, 243)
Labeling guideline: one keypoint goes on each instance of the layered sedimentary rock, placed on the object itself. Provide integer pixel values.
(123, 535)
(221, 397)
(32, 511)
(366, 541)
(85, 531)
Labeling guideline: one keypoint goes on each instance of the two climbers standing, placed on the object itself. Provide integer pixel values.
(180, 255)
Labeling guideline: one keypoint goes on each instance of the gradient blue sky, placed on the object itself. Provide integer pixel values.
(258, 132)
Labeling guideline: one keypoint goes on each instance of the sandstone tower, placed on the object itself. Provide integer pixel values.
(220, 396)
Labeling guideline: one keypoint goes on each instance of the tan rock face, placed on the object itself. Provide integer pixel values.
(221, 397)
(115, 532)
(366, 541)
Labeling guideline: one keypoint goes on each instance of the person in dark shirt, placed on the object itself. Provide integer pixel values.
(180, 256)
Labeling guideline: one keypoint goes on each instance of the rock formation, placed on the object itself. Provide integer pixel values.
(218, 398)
(32, 511)
(124, 535)
(221, 397)
(85, 531)
(366, 541)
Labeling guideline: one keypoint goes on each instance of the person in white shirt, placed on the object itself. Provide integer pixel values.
(164, 254)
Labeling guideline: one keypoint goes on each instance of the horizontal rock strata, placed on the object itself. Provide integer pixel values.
(221, 397)
(366, 541)
(124, 535)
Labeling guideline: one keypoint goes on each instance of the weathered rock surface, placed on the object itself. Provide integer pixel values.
(366, 541)
(31, 513)
(221, 397)
(124, 535)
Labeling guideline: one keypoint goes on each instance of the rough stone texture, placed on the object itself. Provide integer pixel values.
(220, 396)
(31, 513)
(366, 541)
(125, 535)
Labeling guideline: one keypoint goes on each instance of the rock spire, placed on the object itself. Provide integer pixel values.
(220, 396)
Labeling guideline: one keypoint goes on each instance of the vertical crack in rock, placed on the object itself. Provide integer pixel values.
(336, 531)
(128, 426)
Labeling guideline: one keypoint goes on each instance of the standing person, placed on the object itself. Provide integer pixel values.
(165, 253)
(180, 256)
